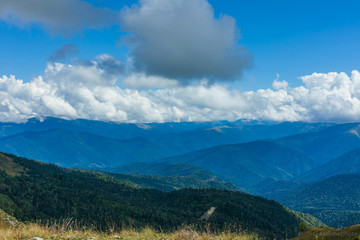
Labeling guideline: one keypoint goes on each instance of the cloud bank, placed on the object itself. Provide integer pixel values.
(182, 39)
(62, 17)
(89, 90)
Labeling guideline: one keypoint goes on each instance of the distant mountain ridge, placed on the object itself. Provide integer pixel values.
(326, 144)
(80, 149)
(246, 164)
(94, 144)
(116, 130)
(348, 163)
(131, 130)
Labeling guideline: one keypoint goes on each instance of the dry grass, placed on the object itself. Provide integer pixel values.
(328, 233)
(66, 230)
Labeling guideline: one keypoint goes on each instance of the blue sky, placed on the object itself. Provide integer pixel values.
(289, 38)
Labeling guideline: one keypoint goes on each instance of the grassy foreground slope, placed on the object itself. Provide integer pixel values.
(328, 233)
(39, 191)
(29, 231)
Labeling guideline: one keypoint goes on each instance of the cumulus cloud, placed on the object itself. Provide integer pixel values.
(110, 65)
(90, 91)
(141, 81)
(64, 17)
(279, 84)
(182, 39)
(171, 42)
(64, 52)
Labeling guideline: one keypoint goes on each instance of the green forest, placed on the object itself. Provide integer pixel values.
(33, 191)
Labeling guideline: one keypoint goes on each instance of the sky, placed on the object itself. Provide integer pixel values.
(180, 60)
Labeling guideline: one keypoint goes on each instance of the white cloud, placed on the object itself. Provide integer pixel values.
(182, 39)
(141, 81)
(279, 84)
(89, 91)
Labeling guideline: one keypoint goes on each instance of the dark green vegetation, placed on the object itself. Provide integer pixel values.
(166, 176)
(308, 220)
(46, 192)
(169, 183)
(335, 201)
(328, 233)
(247, 164)
(165, 169)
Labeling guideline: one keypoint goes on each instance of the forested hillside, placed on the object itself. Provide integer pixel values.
(335, 200)
(164, 169)
(36, 191)
(169, 183)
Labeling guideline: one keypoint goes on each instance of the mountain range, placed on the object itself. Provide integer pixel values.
(76, 149)
(273, 160)
(326, 144)
(345, 164)
(247, 164)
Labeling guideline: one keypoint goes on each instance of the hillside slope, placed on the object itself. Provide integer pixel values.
(169, 183)
(326, 144)
(232, 133)
(165, 169)
(46, 192)
(335, 200)
(166, 176)
(328, 233)
(80, 149)
(249, 163)
(345, 164)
